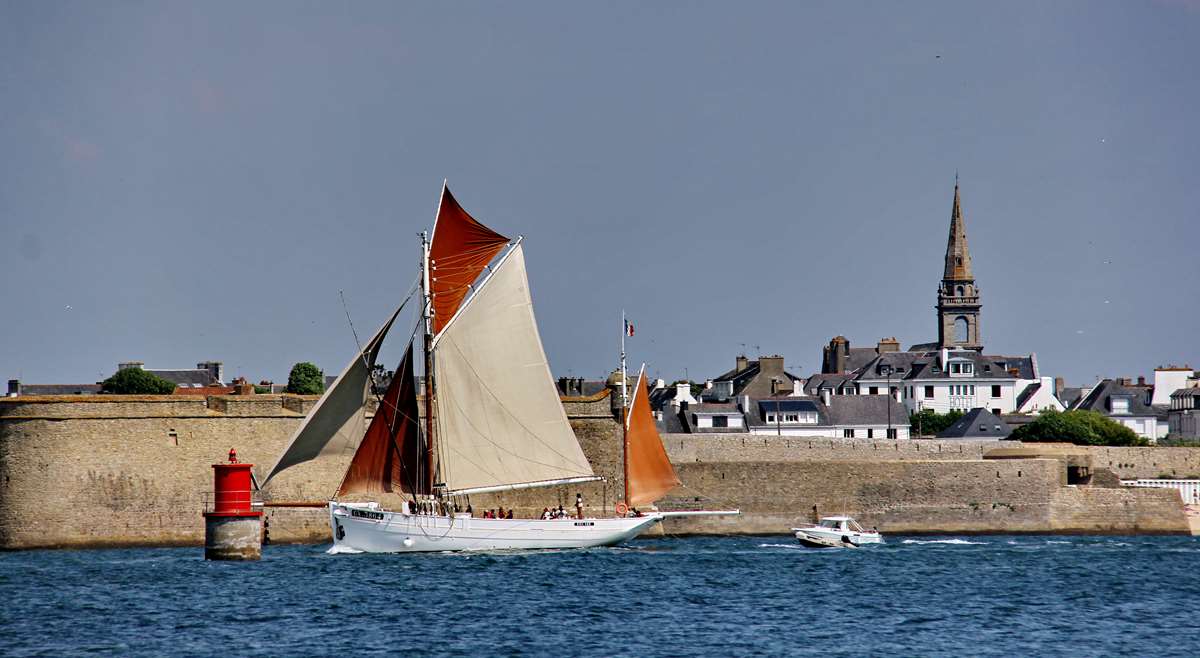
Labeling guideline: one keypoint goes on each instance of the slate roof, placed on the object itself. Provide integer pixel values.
(1028, 393)
(783, 405)
(187, 377)
(672, 423)
(925, 347)
(744, 378)
(977, 423)
(860, 356)
(865, 410)
(816, 382)
(842, 410)
(721, 408)
(990, 367)
(1100, 399)
(1186, 392)
(1070, 396)
(60, 389)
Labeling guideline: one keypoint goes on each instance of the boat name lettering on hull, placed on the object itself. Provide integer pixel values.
(364, 514)
(584, 523)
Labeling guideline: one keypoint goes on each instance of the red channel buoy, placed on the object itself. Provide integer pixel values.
(232, 528)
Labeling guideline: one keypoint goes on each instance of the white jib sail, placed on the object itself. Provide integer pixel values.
(335, 426)
(500, 422)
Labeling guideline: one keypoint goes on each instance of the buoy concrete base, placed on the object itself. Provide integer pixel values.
(232, 537)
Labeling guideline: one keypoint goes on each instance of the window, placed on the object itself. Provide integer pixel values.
(928, 392)
(982, 428)
(960, 329)
(849, 434)
(996, 411)
(968, 368)
(955, 368)
(891, 433)
(791, 418)
(959, 291)
(870, 433)
(995, 390)
(1120, 405)
(720, 421)
(770, 418)
(874, 390)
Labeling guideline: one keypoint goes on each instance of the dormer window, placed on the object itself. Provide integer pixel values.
(1119, 404)
(961, 368)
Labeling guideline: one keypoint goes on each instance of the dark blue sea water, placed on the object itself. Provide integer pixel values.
(970, 596)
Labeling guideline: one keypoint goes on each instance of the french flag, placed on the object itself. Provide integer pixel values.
(628, 328)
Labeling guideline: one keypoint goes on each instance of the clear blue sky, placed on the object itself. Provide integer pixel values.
(193, 181)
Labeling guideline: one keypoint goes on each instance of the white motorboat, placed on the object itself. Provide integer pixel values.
(836, 532)
(492, 419)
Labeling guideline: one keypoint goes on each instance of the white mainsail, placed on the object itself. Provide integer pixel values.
(335, 426)
(500, 422)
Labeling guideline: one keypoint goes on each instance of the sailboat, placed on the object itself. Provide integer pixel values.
(492, 417)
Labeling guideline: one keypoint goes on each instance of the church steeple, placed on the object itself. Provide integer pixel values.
(958, 297)
(958, 256)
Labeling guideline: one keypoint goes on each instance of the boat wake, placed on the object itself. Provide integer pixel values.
(955, 542)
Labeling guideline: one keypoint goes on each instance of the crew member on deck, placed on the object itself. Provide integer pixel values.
(579, 506)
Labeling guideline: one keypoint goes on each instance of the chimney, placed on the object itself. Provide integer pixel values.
(887, 345)
(945, 358)
(14, 388)
(797, 387)
(562, 386)
(130, 364)
(1059, 385)
(835, 356)
(659, 384)
(708, 384)
(214, 368)
(742, 363)
(826, 394)
(1141, 380)
(771, 366)
(745, 404)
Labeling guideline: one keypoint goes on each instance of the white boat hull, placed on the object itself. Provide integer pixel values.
(365, 528)
(816, 537)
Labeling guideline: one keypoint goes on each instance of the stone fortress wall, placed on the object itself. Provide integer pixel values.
(131, 470)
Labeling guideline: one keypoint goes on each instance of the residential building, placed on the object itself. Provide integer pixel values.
(1129, 404)
(761, 378)
(1183, 416)
(850, 416)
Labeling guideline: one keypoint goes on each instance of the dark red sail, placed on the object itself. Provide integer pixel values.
(390, 457)
(460, 249)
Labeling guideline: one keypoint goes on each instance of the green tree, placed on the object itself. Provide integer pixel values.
(135, 381)
(306, 379)
(1085, 428)
(929, 422)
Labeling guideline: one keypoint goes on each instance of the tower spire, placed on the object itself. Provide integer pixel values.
(958, 256)
(958, 297)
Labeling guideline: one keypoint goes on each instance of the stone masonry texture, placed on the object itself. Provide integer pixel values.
(133, 470)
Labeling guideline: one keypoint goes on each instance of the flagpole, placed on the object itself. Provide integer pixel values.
(624, 330)
(624, 414)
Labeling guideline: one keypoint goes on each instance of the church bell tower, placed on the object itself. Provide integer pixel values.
(958, 297)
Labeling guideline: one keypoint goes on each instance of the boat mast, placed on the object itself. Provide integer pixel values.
(427, 317)
(624, 412)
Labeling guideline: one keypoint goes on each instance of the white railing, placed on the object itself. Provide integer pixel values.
(1189, 490)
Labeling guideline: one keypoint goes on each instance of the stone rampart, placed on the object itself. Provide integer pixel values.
(130, 470)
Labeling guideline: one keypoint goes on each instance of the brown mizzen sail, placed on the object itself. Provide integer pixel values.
(461, 247)
(390, 457)
(648, 473)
